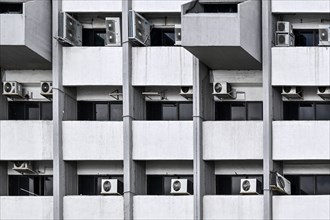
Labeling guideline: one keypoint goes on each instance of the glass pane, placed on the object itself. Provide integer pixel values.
(322, 111)
(46, 111)
(101, 112)
(155, 185)
(255, 111)
(223, 185)
(16, 110)
(154, 110)
(167, 184)
(306, 112)
(305, 38)
(99, 38)
(116, 112)
(222, 111)
(170, 112)
(307, 185)
(322, 185)
(238, 112)
(48, 186)
(290, 110)
(86, 185)
(32, 111)
(186, 111)
(85, 111)
(236, 185)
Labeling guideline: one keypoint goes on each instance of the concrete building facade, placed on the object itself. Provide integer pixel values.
(144, 93)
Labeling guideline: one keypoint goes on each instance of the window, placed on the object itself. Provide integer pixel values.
(11, 8)
(169, 110)
(309, 184)
(162, 37)
(100, 111)
(238, 111)
(30, 110)
(161, 185)
(30, 185)
(306, 111)
(91, 184)
(93, 37)
(220, 8)
(306, 38)
(231, 185)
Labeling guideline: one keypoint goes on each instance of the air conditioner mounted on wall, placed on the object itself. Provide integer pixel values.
(181, 187)
(23, 167)
(323, 91)
(292, 92)
(12, 89)
(139, 29)
(284, 27)
(113, 33)
(177, 32)
(223, 90)
(70, 31)
(284, 40)
(251, 186)
(280, 184)
(111, 187)
(186, 92)
(324, 36)
(46, 89)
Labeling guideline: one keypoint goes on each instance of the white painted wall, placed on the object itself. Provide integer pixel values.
(26, 207)
(301, 207)
(163, 207)
(169, 167)
(26, 140)
(241, 167)
(300, 6)
(306, 168)
(28, 76)
(93, 207)
(225, 140)
(12, 31)
(158, 6)
(89, 66)
(301, 140)
(162, 66)
(233, 207)
(100, 167)
(162, 140)
(92, 5)
(305, 66)
(92, 140)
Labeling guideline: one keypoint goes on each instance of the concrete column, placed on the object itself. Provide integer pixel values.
(267, 105)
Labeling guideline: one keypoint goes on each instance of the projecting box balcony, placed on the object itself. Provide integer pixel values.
(163, 207)
(301, 207)
(93, 207)
(305, 66)
(26, 140)
(25, 35)
(300, 6)
(232, 140)
(301, 140)
(223, 40)
(162, 66)
(92, 140)
(26, 207)
(92, 66)
(233, 207)
(162, 140)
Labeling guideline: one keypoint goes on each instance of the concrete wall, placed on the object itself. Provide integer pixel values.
(12, 31)
(26, 140)
(158, 6)
(226, 140)
(163, 207)
(92, 6)
(92, 66)
(93, 207)
(301, 140)
(300, 6)
(301, 207)
(162, 140)
(233, 207)
(26, 207)
(163, 66)
(92, 140)
(305, 66)
(239, 167)
(100, 167)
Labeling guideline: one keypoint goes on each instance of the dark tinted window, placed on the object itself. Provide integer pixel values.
(254, 111)
(185, 111)
(85, 111)
(231, 185)
(116, 112)
(323, 185)
(238, 111)
(46, 111)
(306, 38)
(30, 111)
(154, 111)
(169, 110)
(322, 111)
(162, 37)
(16, 111)
(161, 185)
(290, 111)
(100, 111)
(307, 185)
(220, 8)
(26, 185)
(93, 37)
(11, 8)
(306, 112)
(91, 184)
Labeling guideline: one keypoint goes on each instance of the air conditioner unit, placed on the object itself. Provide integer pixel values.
(323, 91)
(251, 186)
(70, 31)
(23, 167)
(223, 90)
(292, 92)
(186, 92)
(12, 89)
(181, 187)
(139, 29)
(46, 89)
(284, 27)
(111, 187)
(177, 32)
(280, 184)
(324, 36)
(284, 39)
(113, 36)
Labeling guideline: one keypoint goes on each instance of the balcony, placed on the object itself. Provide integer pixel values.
(233, 140)
(301, 66)
(92, 6)
(300, 6)
(301, 140)
(229, 41)
(162, 140)
(25, 39)
(233, 207)
(163, 207)
(92, 140)
(26, 207)
(26, 140)
(162, 66)
(301, 207)
(92, 66)
(93, 207)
